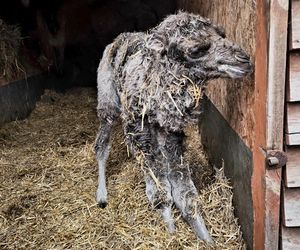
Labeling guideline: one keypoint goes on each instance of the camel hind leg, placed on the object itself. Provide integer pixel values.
(158, 191)
(108, 110)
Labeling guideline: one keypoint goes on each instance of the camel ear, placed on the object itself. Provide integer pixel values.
(175, 52)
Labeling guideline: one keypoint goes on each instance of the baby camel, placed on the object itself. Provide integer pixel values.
(154, 81)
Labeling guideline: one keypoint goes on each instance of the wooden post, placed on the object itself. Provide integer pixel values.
(271, 46)
(258, 181)
(278, 26)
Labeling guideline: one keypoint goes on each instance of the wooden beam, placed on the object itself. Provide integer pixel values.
(291, 207)
(290, 238)
(295, 25)
(293, 86)
(293, 118)
(292, 139)
(292, 171)
(261, 79)
(278, 26)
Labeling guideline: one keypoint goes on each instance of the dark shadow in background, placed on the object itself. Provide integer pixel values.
(89, 26)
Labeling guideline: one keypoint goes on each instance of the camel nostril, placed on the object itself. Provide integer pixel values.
(249, 66)
(241, 57)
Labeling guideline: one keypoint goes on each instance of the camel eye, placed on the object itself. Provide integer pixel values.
(199, 50)
(221, 32)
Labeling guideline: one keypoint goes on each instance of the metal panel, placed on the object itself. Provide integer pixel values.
(224, 146)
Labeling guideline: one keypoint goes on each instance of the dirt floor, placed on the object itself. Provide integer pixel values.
(48, 178)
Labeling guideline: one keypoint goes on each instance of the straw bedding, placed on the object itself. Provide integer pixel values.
(48, 178)
(10, 41)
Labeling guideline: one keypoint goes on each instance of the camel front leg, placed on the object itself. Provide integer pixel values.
(185, 197)
(184, 192)
(102, 148)
(158, 191)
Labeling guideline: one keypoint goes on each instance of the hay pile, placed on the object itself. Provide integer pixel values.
(48, 178)
(10, 41)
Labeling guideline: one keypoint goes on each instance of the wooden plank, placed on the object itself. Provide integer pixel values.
(293, 139)
(293, 86)
(293, 118)
(295, 25)
(291, 207)
(277, 68)
(290, 238)
(278, 26)
(292, 172)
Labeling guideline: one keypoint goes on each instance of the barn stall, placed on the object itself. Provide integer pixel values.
(47, 162)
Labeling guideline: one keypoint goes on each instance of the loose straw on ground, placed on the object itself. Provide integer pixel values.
(48, 178)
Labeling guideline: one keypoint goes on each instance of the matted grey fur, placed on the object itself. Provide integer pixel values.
(154, 81)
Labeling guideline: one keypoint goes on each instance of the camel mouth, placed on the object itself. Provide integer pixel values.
(236, 71)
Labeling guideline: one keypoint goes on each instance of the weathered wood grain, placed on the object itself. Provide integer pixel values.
(277, 68)
(290, 238)
(295, 25)
(293, 118)
(278, 26)
(291, 207)
(260, 93)
(293, 86)
(292, 172)
(292, 139)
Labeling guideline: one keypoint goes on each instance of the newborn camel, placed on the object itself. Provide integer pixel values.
(154, 81)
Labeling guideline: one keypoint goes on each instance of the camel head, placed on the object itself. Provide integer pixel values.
(202, 47)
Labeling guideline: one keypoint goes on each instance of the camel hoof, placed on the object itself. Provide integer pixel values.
(102, 204)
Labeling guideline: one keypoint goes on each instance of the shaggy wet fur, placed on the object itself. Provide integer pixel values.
(155, 81)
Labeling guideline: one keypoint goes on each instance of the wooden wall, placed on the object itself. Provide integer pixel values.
(291, 190)
(234, 99)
